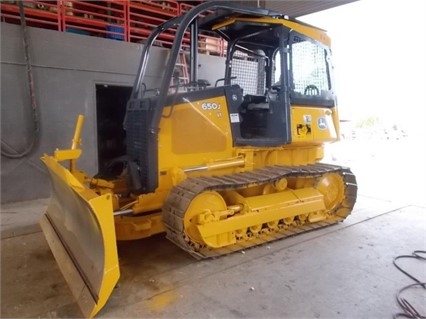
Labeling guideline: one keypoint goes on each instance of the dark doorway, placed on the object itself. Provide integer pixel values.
(111, 103)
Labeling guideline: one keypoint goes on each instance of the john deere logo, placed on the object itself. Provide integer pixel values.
(322, 123)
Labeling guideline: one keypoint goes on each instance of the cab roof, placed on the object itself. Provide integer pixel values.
(231, 25)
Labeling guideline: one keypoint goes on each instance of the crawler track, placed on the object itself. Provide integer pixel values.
(181, 196)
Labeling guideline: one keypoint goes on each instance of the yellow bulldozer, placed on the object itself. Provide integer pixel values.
(220, 167)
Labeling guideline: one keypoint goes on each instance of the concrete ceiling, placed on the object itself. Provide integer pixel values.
(297, 8)
(294, 8)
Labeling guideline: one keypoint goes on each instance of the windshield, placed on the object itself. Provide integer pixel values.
(310, 73)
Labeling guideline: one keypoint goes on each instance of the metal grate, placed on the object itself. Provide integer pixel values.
(250, 73)
(309, 66)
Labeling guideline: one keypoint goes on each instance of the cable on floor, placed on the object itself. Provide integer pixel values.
(408, 309)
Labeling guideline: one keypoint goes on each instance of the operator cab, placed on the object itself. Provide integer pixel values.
(276, 68)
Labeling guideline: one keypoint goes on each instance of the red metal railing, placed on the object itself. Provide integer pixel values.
(106, 19)
(39, 14)
(144, 15)
(123, 20)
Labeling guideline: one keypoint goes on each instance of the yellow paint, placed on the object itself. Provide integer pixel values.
(332, 187)
(197, 129)
(76, 140)
(213, 200)
(193, 135)
(257, 211)
(63, 155)
(159, 302)
(311, 32)
(312, 116)
(135, 227)
(99, 215)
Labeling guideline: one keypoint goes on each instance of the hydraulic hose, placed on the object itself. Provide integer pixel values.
(34, 111)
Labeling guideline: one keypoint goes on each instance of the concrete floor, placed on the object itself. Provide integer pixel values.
(344, 271)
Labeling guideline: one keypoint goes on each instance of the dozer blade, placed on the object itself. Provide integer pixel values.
(79, 228)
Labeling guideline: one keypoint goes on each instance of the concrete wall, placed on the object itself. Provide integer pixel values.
(66, 69)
